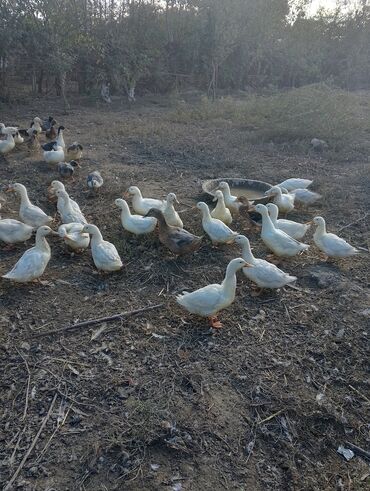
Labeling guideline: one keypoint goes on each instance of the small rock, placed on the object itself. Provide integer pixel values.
(154, 467)
(346, 452)
(26, 346)
(320, 397)
(340, 333)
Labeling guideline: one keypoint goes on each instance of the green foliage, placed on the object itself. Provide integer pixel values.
(216, 45)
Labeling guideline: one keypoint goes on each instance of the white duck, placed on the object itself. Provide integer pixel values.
(278, 241)
(34, 261)
(170, 214)
(135, 224)
(285, 202)
(220, 211)
(305, 197)
(13, 231)
(56, 186)
(55, 155)
(234, 203)
(5, 130)
(143, 205)
(209, 300)
(331, 244)
(261, 272)
(30, 214)
(218, 232)
(104, 253)
(294, 229)
(295, 183)
(18, 139)
(67, 212)
(73, 236)
(36, 125)
(7, 145)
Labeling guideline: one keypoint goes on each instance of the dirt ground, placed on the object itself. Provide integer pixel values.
(157, 401)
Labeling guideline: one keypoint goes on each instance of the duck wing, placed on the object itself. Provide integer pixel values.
(48, 146)
(203, 301)
(26, 266)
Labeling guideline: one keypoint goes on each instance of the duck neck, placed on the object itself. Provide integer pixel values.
(320, 229)
(229, 282)
(24, 196)
(60, 139)
(206, 215)
(273, 214)
(169, 207)
(162, 224)
(65, 201)
(226, 192)
(10, 138)
(96, 237)
(220, 206)
(125, 211)
(247, 253)
(41, 243)
(267, 223)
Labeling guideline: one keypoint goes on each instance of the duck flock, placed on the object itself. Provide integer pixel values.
(281, 236)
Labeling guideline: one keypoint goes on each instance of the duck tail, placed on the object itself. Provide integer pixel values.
(290, 279)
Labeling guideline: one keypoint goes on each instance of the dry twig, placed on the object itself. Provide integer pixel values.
(271, 416)
(93, 322)
(353, 223)
(28, 384)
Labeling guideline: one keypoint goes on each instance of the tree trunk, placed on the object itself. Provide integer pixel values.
(130, 85)
(34, 80)
(131, 94)
(40, 81)
(63, 78)
(57, 86)
(105, 92)
(3, 81)
(212, 87)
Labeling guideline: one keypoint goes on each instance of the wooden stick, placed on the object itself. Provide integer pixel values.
(360, 393)
(93, 322)
(358, 450)
(353, 223)
(271, 416)
(28, 384)
(32, 446)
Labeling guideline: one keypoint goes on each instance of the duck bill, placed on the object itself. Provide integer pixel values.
(10, 189)
(215, 199)
(247, 265)
(308, 223)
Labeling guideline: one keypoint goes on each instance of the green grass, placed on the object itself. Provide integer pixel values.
(339, 117)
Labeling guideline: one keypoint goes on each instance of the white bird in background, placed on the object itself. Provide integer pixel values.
(331, 244)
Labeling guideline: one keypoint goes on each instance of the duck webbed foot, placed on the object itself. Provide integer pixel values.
(214, 322)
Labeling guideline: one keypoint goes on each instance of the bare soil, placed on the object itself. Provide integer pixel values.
(157, 401)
